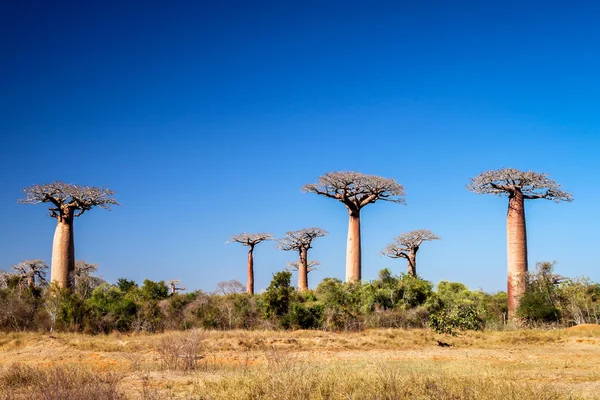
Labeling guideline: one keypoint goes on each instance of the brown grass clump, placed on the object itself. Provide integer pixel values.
(58, 383)
(287, 380)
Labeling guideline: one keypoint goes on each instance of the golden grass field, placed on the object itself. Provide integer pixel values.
(373, 364)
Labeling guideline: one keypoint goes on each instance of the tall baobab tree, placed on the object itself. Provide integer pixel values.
(29, 271)
(407, 245)
(301, 241)
(518, 186)
(66, 203)
(250, 240)
(356, 190)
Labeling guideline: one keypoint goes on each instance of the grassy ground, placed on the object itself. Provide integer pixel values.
(374, 364)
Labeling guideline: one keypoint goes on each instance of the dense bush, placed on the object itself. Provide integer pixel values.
(389, 301)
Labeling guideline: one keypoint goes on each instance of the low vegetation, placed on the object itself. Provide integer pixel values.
(404, 301)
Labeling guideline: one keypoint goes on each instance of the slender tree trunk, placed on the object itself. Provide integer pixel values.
(303, 270)
(250, 285)
(353, 257)
(412, 264)
(516, 236)
(63, 250)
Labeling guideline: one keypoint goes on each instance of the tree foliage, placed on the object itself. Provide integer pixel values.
(64, 196)
(356, 189)
(300, 239)
(250, 239)
(408, 243)
(533, 185)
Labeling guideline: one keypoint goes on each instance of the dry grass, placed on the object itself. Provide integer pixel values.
(374, 364)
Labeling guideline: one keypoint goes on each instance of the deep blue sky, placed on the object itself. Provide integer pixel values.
(206, 119)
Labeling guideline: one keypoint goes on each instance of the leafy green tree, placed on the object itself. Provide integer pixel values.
(541, 299)
(276, 299)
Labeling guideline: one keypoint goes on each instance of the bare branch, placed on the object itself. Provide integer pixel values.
(65, 196)
(84, 279)
(355, 189)
(408, 243)
(300, 239)
(311, 265)
(250, 239)
(533, 185)
(230, 287)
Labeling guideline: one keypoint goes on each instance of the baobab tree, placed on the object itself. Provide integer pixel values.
(30, 271)
(67, 202)
(518, 186)
(407, 245)
(301, 241)
(250, 240)
(356, 190)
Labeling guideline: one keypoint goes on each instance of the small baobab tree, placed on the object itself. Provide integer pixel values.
(66, 203)
(175, 286)
(250, 240)
(29, 272)
(518, 186)
(407, 245)
(301, 241)
(356, 190)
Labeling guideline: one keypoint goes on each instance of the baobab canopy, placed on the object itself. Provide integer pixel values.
(356, 188)
(532, 185)
(75, 197)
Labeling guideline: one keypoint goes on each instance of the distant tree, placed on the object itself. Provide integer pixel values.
(84, 279)
(356, 190)
(407, 245)
(151, 290)
(67, 202)
(250, 240)
(125, 285)
(175, 285)
(230, 287)
(30, 271)
(301, 241)
(278, 295)
(518, 186)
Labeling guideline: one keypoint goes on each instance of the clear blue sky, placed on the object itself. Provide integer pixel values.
(207, 119)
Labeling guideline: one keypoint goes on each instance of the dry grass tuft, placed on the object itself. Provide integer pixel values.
(58, 383)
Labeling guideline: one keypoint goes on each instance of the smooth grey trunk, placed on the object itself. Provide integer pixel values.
(250, 285)
(516, 245)
(353, 256)
(63, 251)
(303, 269)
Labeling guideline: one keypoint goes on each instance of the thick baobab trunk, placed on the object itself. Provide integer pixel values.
(412, 264)
(353, 259)
(516, 237)
(250, 285)
(303, 270)
(63, 251)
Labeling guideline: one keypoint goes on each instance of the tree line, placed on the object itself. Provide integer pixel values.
(353, 189)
